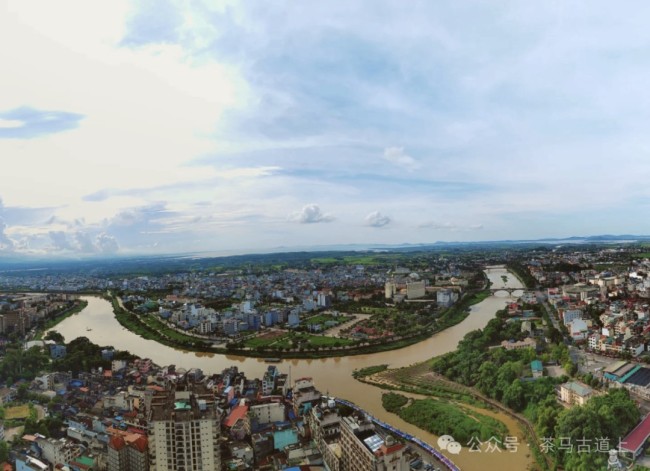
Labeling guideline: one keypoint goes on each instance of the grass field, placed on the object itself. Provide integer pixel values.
(265, 339)
(17, 412)
(311, 341)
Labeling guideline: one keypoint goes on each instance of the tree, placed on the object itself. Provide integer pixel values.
(54, 336)
(4, 451)
(513, 396)
(610, 416)
(21, 393)
(571, 368)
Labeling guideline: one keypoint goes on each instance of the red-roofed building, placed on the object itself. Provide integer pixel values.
(238, 413)
(636, 439)
(128, 452)
(116, 442)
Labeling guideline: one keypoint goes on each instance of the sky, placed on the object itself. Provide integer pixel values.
(183, 126)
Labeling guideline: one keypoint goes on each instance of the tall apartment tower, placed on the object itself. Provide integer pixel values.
(365, 450)
(128, 453)
(184, 429)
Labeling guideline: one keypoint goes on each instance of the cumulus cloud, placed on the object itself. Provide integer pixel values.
(84, 242)
(133, 216)
(376, 219)
(59, 241)
(397, 156)
(6, 244)
(310, 214)
(106, 243)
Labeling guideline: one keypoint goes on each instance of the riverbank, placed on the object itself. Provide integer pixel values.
(80, 305)
(334, 373)
(419, 379)
(151, 328)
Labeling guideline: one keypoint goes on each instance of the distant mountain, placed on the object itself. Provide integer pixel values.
(14, 262)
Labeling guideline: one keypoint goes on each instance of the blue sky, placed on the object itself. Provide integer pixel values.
(163, 126)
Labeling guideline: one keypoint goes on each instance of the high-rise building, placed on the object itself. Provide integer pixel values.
(184, 429)
(305, 395)
(363, 449)
(415, 289)
(390, 288)
(128, 453)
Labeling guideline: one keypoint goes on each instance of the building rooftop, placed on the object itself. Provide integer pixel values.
(637, 437)
(615, 366)
(236, 414)
(579, 389)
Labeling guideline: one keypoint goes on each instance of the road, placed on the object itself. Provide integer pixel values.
(541, 299)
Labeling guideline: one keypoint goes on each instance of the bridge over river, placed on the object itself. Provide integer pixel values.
(510, 291)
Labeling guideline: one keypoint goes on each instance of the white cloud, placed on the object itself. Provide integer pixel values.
(216, 104)
(397, 156)
(376, 219)
(60, 241)
(147, 111)
(107, 243)
(6, 244)
(310, 214)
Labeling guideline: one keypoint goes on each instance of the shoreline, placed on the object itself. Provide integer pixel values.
(131, 321)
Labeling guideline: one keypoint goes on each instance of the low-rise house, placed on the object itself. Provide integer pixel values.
(575, 393)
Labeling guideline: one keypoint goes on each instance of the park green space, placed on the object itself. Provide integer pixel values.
(443, 417)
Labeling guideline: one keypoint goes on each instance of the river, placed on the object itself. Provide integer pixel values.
(331, 375)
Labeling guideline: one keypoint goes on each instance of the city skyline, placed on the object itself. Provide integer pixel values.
(167, 128)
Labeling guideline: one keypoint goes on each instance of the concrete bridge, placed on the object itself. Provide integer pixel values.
(509, 290)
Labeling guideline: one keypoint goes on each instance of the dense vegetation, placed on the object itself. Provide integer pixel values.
(18, 363)
(522, 273)
(442, 418)
(497, 373)
(81, 355)
(606, 418)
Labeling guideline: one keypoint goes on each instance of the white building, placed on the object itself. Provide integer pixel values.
(415, 289)
(205, 327)
(268, 413)
(446, 297)
(184, 430)
(578, 329)
(575, 393)
(60, 451)
(569, 315)
(365, 451)
(389, 289)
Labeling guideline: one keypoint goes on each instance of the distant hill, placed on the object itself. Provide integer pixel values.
(13, 263)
